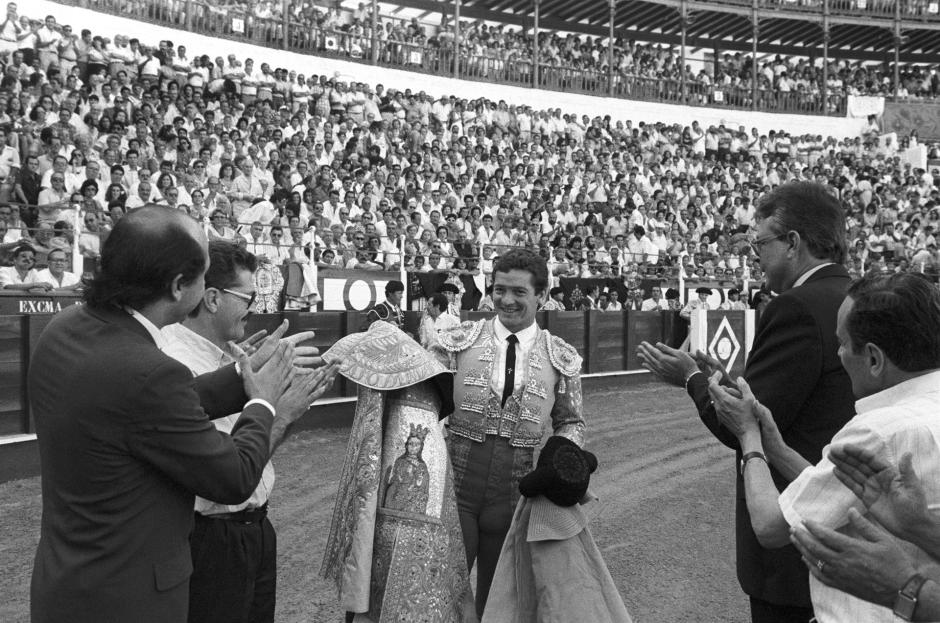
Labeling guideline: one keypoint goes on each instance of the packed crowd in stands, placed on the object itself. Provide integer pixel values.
(571, 61)
(316, 170)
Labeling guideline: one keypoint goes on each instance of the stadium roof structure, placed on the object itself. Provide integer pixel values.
(858, 29)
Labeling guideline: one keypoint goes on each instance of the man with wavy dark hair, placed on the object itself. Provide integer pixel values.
(515, 384)
(124, 438)
(234, 546)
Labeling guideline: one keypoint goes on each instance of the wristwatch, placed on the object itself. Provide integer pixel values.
(751, 455)
(906, 601)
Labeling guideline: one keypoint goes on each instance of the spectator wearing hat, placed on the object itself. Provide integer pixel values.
(701, 302)
(388, 310)
(556, 300)
(451, 291)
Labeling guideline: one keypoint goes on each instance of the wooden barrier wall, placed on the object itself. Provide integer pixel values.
(606, 340)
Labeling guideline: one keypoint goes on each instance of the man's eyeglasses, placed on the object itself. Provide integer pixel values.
(248, 298)
(758, 243)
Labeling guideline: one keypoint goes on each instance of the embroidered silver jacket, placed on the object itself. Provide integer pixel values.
(549, 400)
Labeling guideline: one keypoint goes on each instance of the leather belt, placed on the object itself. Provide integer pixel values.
(246, 516)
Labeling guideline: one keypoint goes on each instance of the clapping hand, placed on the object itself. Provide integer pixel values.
(771, 438)
(871, 566)
(735, 407)
(251, 343)
(261, 348)
(672, 364)
(305, 356)
(305, 388)
(893, 495)
(270, 380)
(710, 365)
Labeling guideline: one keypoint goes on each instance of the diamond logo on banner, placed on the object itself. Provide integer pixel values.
(724, 345)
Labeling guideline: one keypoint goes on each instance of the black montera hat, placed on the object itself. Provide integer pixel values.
(562, 474)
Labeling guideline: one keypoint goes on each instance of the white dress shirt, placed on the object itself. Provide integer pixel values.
(523, 348)
(202, 356)
(10, 276)
(431, 328)
(652, 304)
(899, 419)
(68, 279)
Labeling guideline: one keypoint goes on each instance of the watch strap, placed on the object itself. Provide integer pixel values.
(906, 601)
(752, 455)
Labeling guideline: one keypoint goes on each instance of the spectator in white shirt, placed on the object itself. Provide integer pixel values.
(47, 43)
(734, 301)
(56, 274)
(22, 275)
(889, 330)
(613, 300)
(435, 320)
(656, 301)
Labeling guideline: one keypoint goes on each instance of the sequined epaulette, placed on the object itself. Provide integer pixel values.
(563, 356)
(460, 337)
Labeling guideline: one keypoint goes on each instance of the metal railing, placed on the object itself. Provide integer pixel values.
(910, 10)
(492, 66)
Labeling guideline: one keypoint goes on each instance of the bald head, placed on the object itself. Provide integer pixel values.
(154, 220)
(150, 251)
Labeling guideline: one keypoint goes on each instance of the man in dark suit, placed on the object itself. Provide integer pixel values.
(124, 437)
(388, 310)
(793, 368)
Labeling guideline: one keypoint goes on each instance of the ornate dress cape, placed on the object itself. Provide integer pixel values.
(395, 549)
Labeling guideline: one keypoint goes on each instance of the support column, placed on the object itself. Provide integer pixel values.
(285, 17)
(825, 68)
(755, 33)
(535, 45)
(189, 15)
(897, 48)
(456, 38)
(610, 49)
(375, 32)
(684, 24)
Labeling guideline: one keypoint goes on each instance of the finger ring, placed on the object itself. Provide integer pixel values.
(820, 564)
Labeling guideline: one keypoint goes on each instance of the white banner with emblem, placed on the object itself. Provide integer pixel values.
(725, 335)
(352, 290)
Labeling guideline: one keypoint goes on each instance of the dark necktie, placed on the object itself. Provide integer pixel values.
(511, 342)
